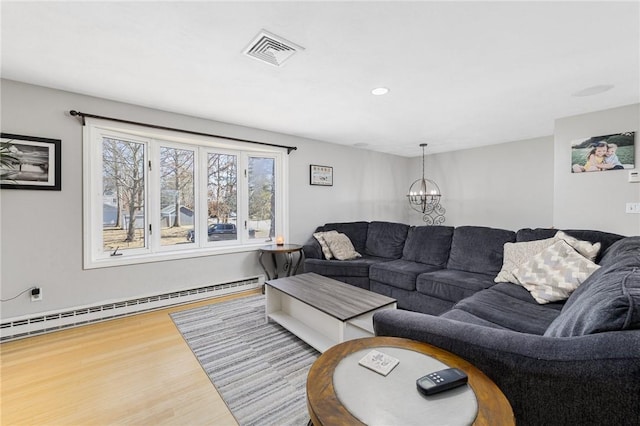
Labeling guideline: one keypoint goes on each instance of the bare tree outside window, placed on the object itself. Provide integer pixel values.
(177, 195)
(262, 218)
(123, 194)
(222, 196)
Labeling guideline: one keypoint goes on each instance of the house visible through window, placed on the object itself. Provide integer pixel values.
(152, 195)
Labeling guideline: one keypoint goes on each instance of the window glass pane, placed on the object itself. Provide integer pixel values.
(177, 192)
(262, 218)
(123, 193)
(222, 197)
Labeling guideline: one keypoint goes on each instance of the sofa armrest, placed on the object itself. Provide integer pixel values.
(548, 380)
(312, 249)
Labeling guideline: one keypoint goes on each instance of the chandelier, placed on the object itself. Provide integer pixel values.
(424, 197)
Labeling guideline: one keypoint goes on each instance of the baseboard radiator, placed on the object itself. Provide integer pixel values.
(51, 321)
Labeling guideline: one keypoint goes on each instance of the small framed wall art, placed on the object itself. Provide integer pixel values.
(29, 162)
(320, 175)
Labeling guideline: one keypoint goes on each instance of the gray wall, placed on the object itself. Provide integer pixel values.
(41, 231)
(508, 185)
(529, 183)
(595, 200)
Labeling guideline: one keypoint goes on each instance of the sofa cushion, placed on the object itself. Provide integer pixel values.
(528, 234)
(428, 244)
(466, 317)
(386, 239)
(452, 285)
(554, 273)
(515, 254)
(340, 246)
(478, 249)
(608, 301)
(399, 273)
(356, 231)
(341, 268)
(503, 309)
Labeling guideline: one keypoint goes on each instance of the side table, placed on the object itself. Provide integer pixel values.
(288, 251)
(337, 388)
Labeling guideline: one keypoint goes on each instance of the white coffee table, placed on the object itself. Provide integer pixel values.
(322, 311)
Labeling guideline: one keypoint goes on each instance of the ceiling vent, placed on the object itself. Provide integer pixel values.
(271, 49)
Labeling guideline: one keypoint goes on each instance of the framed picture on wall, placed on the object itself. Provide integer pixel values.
(320, 175)
(29, 162)
(603, 153)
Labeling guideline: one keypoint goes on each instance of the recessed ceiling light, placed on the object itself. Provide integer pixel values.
(593, 90)
(380, 91)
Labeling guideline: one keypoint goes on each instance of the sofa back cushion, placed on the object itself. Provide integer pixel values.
(609, 300)
(428, 244)
(528, 234)
(356, 231)
(386, 239)
(478, 249)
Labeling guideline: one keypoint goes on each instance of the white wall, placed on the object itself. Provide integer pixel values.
(508, 185)
(41, 231)
(595, 200)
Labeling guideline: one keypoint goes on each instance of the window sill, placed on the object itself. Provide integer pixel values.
(125, 260)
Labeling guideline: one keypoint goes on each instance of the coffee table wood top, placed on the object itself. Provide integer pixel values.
(326, 409)
(335, 298)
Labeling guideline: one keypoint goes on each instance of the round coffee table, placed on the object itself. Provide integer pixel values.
(326, 408)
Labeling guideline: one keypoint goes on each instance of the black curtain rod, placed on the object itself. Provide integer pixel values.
(191, 132)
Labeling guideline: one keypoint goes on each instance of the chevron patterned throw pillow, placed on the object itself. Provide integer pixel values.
(554, 273)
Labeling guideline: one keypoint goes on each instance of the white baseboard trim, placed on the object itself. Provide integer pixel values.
(16, 328)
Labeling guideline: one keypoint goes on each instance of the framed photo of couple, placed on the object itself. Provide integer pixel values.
(603, 153)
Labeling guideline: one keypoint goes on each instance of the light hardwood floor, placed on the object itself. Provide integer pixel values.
(136, 370)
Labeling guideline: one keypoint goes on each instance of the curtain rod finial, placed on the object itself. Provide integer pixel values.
(75, 113)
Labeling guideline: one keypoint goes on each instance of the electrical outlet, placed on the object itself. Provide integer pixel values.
(36, 294)
(633, 208)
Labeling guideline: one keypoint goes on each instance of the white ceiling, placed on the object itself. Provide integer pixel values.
(461, 74)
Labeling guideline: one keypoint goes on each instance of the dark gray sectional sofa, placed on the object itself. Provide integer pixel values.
(574, 362)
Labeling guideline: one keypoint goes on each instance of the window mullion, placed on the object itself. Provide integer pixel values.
(243, 197)
(153, 195)
(201, 202)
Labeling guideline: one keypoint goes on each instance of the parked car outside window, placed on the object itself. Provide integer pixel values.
(217, 232)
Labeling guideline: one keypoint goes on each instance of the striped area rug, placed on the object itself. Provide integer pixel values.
(259, 368)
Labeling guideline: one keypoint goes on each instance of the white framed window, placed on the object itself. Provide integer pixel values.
(152, 195)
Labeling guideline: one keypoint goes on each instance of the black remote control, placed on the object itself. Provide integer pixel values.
(442, 380)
